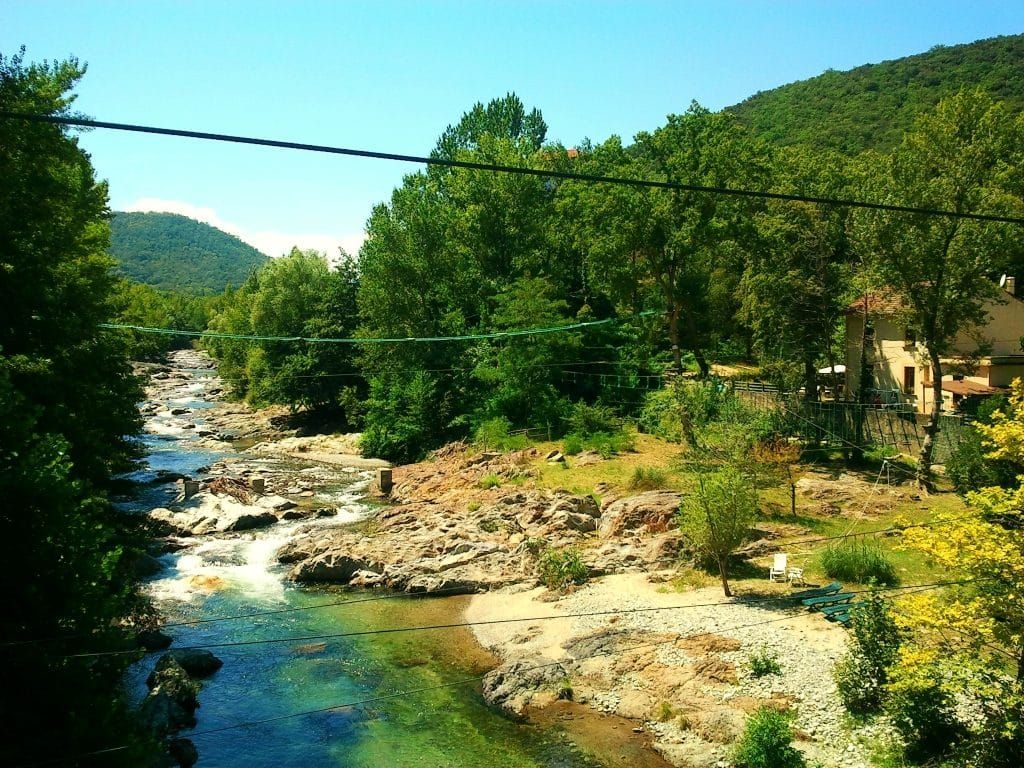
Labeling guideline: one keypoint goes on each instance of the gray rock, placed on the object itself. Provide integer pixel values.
(197, 662)
(329, 567)
(275, 503)
(153, 640)
(511, 686)
(650, 512)
(251, 522)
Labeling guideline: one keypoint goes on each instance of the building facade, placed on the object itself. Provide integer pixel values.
(900, 372)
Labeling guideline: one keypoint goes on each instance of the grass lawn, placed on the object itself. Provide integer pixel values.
(873, 507)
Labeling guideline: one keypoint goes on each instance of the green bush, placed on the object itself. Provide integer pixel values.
(647, 479)
(764, 662)
(493, 435)
(560, 569)
(572, 444)
(862, 674)
(923, 714)
(863, 562)
(609, 444)
(767, 742)
(591, 420)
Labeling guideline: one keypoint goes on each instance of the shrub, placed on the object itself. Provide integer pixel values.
(493, 435)
(560, 569)
(764, 662)
(572, 445)
(647, 479)
(586, 420)
(861, 561)
(490, 481)
(609, 444)
(664, 712)
(767, 742)
(922, 712)
(863, 673)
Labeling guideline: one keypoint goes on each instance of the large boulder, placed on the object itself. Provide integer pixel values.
(197, 662)
(251, 522)
(172, 700)
(511, 686)
(650, 512)
(331, 567)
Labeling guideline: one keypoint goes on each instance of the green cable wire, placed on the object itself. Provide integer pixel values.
(471, 337)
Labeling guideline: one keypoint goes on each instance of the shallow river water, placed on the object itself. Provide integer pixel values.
(235, 574)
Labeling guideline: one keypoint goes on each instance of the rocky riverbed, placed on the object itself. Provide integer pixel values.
(471, 522)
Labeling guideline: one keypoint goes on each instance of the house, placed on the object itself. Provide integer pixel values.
(900, 372)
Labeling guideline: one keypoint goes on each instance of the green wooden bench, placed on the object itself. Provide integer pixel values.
(834, 610)
(829, 589)
(815, 603)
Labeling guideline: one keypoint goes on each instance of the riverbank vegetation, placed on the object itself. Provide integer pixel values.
(67, 411)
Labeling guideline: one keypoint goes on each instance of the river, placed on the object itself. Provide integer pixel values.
(230, 574)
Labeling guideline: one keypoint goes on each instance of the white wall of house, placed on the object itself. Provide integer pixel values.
(902, 366)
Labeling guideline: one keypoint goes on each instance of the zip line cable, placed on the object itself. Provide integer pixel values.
(374, 340)
(498, 168)
(453, 684)
(491, 622)
(456, 591)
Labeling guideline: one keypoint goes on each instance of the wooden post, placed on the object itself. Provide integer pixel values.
(257, 485)
(384, 481)
(189, 488)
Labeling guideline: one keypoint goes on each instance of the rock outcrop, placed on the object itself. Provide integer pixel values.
(650, 512)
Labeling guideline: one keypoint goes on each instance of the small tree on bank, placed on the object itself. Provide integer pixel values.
(717, 518)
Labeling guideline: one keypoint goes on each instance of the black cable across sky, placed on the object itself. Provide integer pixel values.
(497, 168)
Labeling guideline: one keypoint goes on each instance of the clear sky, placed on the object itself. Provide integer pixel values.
(392, 75)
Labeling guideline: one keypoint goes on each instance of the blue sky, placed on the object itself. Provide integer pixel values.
(393, 75)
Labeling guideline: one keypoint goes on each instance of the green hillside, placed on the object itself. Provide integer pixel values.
(175, 252)
(871, 106)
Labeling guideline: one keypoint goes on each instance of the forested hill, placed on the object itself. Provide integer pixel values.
(175, 252)
(872, 105)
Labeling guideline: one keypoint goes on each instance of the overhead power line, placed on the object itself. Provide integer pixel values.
(498, 168)
(491, 622)
(458, 683)
(375, 340)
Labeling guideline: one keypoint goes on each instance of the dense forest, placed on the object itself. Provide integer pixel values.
(870, 107)
(173, 252)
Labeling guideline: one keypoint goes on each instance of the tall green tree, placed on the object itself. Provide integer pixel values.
(298, 295)
(67, 409)
(797, 273)
(661, 248)
(943, 269)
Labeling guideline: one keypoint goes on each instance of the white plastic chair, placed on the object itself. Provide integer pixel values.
(795, 576)
(778, 569)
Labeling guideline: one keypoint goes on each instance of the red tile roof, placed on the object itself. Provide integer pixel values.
(883, 302)
(967, 388)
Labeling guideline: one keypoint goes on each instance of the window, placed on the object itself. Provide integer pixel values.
(908, 379)
(909, 338)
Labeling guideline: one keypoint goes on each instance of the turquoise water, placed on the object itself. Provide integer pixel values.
(229, 575)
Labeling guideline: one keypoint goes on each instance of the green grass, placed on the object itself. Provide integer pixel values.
(648, 479)
(489, 481)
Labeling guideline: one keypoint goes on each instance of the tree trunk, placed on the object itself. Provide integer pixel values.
(698, 353)
(673, 336)
(723, 571)
(810, 381)
(1020, 664)
(924, 460)
(863, 379)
